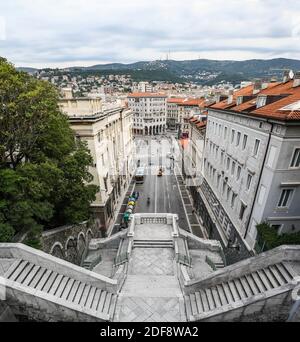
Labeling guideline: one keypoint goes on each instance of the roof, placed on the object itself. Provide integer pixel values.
(193, 102)
(147, 95)
(201, 124)
(175, 100)
(284, 107)
(246, 91)
(276, 109)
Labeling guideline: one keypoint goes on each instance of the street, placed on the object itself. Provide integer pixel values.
(163, 191)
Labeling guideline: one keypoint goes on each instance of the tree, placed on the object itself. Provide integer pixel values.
(44, 177)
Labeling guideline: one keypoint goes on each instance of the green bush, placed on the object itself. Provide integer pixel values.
(268, 237)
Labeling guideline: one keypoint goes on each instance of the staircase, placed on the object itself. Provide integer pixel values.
(62, 289)
(122, 254)
(206, 300)
(153, 244)
(182, 252)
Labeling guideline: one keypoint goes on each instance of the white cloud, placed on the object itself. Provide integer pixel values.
(72, 32)
(2, 29)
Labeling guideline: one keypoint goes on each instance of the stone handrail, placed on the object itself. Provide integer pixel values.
(210, 245)
(20, 251)
(45, 305)
(279, 254)
(95, 244)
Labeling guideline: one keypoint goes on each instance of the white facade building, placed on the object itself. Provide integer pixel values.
(150, 113)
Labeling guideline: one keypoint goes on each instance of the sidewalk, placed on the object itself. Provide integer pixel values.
(115, 226)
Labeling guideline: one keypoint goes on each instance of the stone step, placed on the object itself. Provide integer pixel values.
(153, 244)
(63, 287)
(237, 289)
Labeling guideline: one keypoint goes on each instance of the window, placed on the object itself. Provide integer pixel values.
(249, 181)
(242, 211)
(224, 188)
(238, 138)
(256, 147)
(232, 135)
(233, 168)
(222, 157)
(228, 193)
(285, 198)
(276, 227)
(233, 198)
(296, 158)
(238, 174)
(218, 181)
(245, 141)
(225, 133)
(228, 163)
(261, 101)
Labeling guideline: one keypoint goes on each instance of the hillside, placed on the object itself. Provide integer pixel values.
(202, 71)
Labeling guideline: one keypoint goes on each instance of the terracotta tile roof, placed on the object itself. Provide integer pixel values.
(193, 102)
(201, 124)
(147, 95)
(246, 91)
(276, 109)
(175, 100)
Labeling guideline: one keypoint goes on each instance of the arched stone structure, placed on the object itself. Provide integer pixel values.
(71, 250)
(57, 250)
(64, 242)
(81, 245)
(89, 236)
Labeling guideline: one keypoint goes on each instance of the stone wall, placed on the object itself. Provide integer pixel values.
(70, 242)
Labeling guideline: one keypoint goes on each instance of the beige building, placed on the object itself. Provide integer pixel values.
(107, 129)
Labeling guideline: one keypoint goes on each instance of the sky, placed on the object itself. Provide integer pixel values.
(62, 33)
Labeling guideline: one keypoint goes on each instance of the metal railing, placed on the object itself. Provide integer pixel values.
(223, 257)
(210, 263)
(120, 259)
(184, 259)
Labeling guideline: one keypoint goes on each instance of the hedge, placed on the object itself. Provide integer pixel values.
(271, 239)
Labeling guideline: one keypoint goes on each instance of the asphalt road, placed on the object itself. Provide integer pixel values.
(163, 191)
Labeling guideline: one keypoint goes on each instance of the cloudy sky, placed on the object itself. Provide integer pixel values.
(62, 33)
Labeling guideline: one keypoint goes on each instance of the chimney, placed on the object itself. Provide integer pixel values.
(230, 97)
(296, 79)
(257, 87)
(221, 97)
(286, 76)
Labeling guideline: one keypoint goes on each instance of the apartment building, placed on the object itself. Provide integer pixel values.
(251, 165)
(149, 113)
(188, 109)
(173, 113)
(142, 87)
(107, 129)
